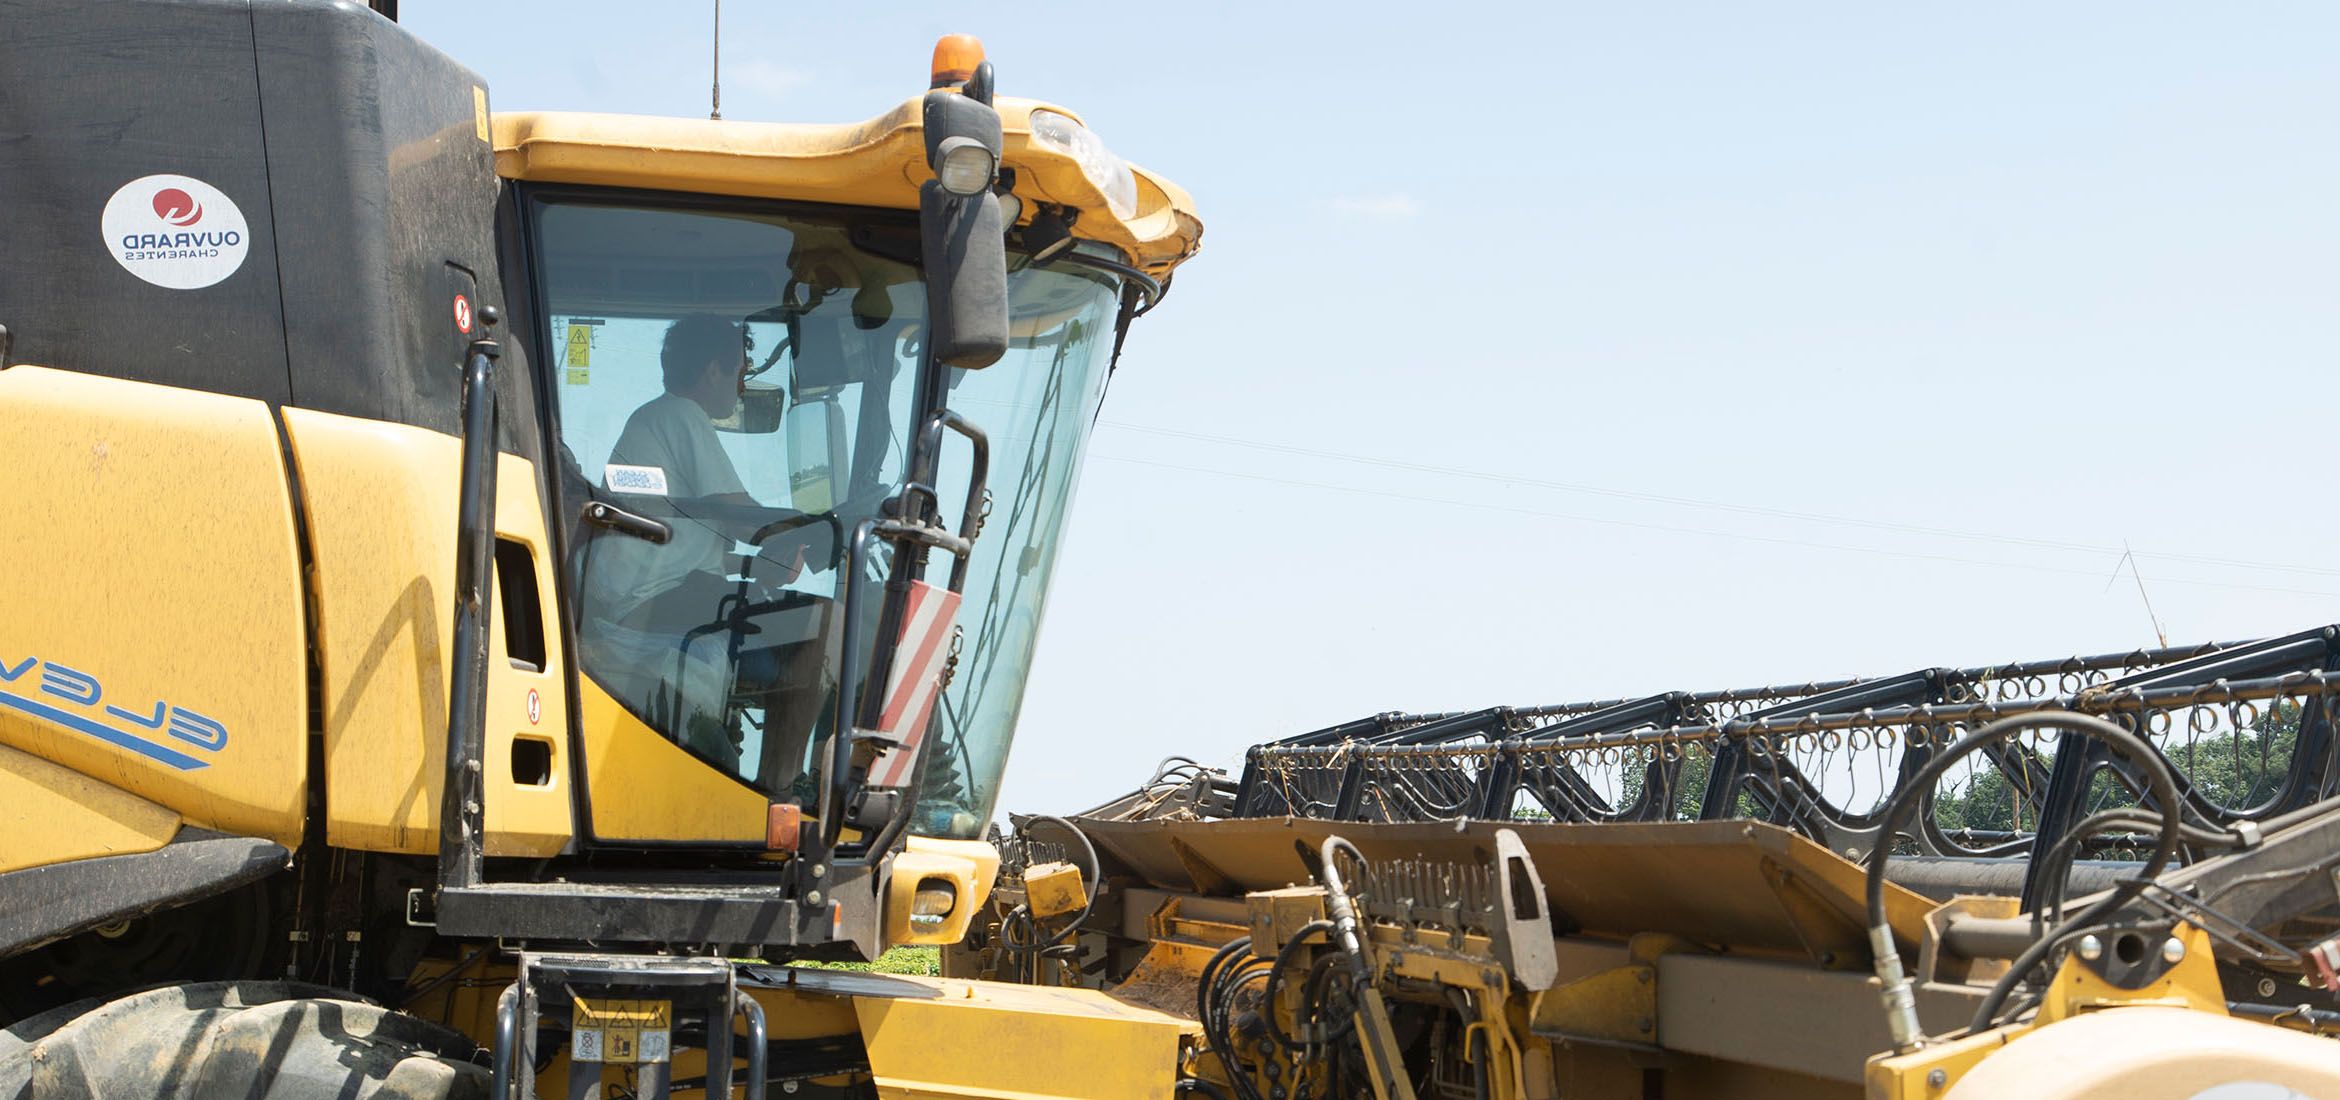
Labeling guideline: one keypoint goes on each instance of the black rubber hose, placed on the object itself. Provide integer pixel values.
(1283, 959)
(1321, 974)
(1197, 1084)
(1221, 1039)
(2058, 860)
(1203, 980)
(2162, 786)
(1232, 979)
(1092, 873)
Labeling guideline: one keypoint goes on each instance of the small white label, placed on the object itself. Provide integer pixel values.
(635, 479)
(175, 231)
(585, 1045)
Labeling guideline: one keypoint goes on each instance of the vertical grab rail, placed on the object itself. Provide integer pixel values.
(460, 804)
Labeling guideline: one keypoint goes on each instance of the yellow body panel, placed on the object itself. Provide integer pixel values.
(945, 1038)
(926, 1037)
(151, 630)
(50, 814)
(1054, 889)
(879, 162)
(646, 787)
(970, 866)
(380, 500)
(2191, 990)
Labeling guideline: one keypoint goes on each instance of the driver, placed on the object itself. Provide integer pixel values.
(669, 448)
(655, 599)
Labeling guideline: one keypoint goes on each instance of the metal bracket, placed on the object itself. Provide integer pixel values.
(625, 1010)
(421, 909)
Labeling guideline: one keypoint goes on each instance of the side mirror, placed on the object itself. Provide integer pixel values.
(963, 243)
(817, 458)
(759, 411)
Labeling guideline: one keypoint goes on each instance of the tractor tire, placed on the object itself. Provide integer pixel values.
(256, 1040)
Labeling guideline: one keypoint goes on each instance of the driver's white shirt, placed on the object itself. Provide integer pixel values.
(674, 436)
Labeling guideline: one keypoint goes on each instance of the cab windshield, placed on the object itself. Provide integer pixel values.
(744, 376)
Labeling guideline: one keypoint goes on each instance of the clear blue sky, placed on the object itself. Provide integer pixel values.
(1570, 350)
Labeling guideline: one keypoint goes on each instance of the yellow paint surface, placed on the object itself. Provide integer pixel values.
(970, 866)
(879, 162)
(646, 787)
(51, 814)
(381, 502)
(150, 556)
(991, 1039)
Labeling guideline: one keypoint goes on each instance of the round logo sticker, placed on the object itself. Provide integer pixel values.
(175, 231)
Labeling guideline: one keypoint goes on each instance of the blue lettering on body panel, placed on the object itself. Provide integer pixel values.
(81, 691)
(195, 729)
(137, 719)
(70, 685)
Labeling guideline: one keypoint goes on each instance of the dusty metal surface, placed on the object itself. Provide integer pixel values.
(1750, 885)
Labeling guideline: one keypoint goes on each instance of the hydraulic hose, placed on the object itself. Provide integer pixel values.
(2057, 861)
(1042, 941)
(1898, 992)
(1197, 1084)
(1208, 1014)
(1275, 976)
(1344, 913)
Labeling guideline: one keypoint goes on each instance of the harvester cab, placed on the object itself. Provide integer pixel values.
(583, 533)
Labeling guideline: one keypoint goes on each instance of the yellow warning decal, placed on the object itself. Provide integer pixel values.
(577, 355)
(479, 111)
(621, 1032)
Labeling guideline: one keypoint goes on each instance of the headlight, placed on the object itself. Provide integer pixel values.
(932, 904)
(1110, 173)
(964, 166)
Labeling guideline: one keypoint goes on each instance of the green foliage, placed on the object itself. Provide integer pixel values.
(1690, 778)
(2237, 769)
(1985, 803)
(922, 961)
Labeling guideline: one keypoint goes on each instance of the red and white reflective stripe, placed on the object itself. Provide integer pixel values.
(2327, 960)
(916, 679)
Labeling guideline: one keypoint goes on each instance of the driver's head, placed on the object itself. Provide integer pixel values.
(705, 358)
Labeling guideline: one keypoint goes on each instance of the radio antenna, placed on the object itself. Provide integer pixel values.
(2129, 558)
(715, 71)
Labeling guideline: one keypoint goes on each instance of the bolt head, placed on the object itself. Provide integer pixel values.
(1936, 1078)
(2266, 987)
(812, 897)
(2091, 948)
(2173, 949)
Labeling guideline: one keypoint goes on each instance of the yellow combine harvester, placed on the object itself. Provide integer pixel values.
(483, 589)
(1711, 894)
(476, 575)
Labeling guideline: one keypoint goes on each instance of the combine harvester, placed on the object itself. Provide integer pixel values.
(486, 589)
(2112, 877)
(478, 577)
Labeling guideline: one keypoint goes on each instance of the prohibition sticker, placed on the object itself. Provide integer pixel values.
(535, 708)
(175, 231)
(462, 314)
